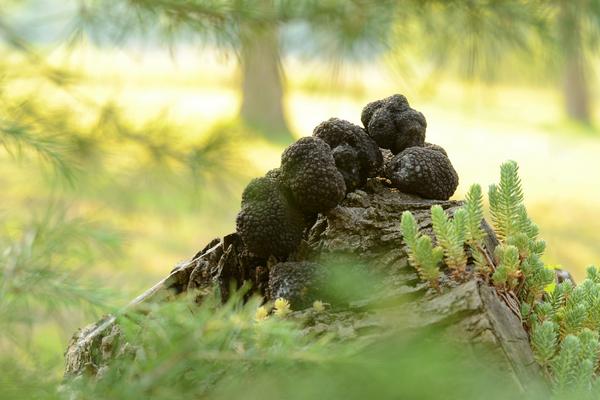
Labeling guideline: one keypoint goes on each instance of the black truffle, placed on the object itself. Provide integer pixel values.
(423, 171)
(393, 124)
(356, 155)
(308, 170)
(436, 148)
(275, 173)
(346, 161)
(268, 223)
(301, 283)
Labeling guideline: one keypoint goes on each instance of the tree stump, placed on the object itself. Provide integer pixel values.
(365, 228)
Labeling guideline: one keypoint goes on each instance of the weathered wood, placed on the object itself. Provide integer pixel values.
(365, 228)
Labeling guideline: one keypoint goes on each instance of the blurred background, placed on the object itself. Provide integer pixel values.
(128, 128)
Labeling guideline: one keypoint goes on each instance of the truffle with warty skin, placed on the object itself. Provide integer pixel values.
(436, 148)
(356, 155)
(275, 173)
(299, 282)
(308, 171)
(268, 223)
(423, 171)
(346, 161)
(393, 124)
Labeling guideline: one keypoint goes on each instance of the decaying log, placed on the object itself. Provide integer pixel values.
(365, 228)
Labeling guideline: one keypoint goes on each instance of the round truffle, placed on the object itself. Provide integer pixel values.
(343, 137)
(393, 124)
(423, 171)
(268, 223)
(436, 148)
(308, 171)
(275, 173)
(346, 161)
(300, 283)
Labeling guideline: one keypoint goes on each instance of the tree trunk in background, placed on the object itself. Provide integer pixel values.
(575, 85)
(262, 82)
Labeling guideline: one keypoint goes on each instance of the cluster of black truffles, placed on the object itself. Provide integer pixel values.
(317, 172)
(393, 124)
(356, 154)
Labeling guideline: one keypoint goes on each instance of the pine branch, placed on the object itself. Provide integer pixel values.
(18, 139)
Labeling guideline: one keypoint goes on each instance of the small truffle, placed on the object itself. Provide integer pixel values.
(356, 155)
(346, 161)
(436, 148)
(423, 171)
(308, 170)
(268, 223)
(275, 173)
(393, 124)
(301, 283)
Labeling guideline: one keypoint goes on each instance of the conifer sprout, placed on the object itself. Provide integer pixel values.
(565, 366)
(574, 318)
(474, 232)
(590, 345)
(308, 170)
(421, 254)
(393, 124)
(356, 155)
(544, 312)
(544, 339)
(423, 171)
(450, 235)
(507, 272)
(564, 322)
(410, 233)
(593, 274)
(557, 298)
(429, 259)
(506, 202)
(575, 312)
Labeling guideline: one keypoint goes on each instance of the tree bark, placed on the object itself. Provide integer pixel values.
(262, 81)
(364, 228)
(575, 85)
